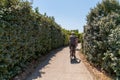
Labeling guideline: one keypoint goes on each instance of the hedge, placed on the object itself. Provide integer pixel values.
(102, 36)
(25, 34)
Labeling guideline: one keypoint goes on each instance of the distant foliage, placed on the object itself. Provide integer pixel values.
(102, 36)
(25, 34)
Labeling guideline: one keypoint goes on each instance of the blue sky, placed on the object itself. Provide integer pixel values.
(70, 14)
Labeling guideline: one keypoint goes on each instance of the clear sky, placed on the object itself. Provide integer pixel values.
(70, 14)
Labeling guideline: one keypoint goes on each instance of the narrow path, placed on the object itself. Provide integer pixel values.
(58, 66)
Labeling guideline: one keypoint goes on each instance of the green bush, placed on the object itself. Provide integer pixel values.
(102, 36)
(111, 56)
(25, 34)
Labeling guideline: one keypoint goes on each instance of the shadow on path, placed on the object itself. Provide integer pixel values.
(37, 73)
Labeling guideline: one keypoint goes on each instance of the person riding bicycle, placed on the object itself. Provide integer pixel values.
(72, 44)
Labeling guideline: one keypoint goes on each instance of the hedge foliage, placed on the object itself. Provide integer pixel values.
(102, 36)
(25, 34)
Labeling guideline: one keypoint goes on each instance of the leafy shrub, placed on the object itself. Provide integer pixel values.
(25, 34)
(101, 36)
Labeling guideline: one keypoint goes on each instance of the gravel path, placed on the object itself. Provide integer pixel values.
(59, 66)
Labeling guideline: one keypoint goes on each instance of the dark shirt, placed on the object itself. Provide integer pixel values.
(72, 39)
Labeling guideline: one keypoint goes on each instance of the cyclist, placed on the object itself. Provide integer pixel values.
(72, 45)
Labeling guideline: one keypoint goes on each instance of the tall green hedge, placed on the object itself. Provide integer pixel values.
(102, 36)
(25, 34)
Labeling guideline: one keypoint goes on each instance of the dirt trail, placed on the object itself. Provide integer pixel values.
(58, 66)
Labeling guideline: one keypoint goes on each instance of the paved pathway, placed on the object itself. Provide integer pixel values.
(58, 66)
